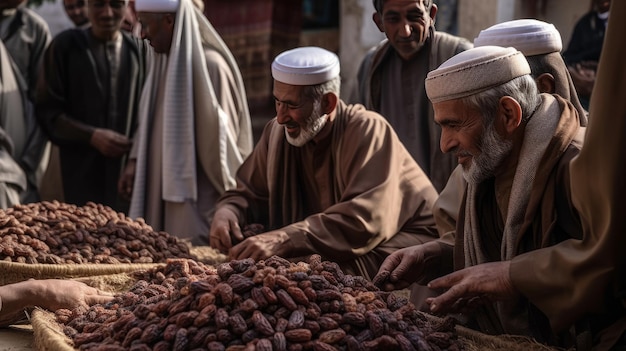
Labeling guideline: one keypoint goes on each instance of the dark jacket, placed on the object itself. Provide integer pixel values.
(72, 100)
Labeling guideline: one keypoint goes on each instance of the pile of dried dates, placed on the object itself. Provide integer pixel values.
(60, 233)
(272, 304)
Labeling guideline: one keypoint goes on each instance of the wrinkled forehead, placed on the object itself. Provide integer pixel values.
(380, 4)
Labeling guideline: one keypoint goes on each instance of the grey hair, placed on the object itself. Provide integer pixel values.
(523, 89)
(315, 92)
(378, 5)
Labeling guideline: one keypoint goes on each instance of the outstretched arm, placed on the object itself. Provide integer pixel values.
(51, 294)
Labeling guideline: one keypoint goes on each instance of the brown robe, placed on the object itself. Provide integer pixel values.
(550, 218)
(580, 279)
(353, 197)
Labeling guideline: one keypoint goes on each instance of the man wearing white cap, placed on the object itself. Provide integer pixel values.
(391, 78)
(576, 279)
(515, 146)
(325, 177)
(194, 130)
(541, 43)
(87, 102)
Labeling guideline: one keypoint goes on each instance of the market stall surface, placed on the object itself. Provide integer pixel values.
(16, 338)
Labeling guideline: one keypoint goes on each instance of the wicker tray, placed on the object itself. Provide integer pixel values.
(49, 336)
(11, 272)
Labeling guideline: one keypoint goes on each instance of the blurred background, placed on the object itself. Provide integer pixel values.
(257, 30)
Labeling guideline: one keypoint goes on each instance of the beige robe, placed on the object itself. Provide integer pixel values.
(194, 130)
(354, 197)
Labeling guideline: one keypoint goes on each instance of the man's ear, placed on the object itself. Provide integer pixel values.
(329, 102)
(433, 12)
(509, 115)
(169, 20)
(545, 83)
(379, 21)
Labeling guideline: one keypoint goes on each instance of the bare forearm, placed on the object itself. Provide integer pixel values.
(14, 298)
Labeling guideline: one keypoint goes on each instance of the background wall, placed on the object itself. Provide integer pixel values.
(257, 30)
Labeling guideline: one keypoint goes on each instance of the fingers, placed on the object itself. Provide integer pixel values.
(110, 143)
(97, 299)
(220, 239)
(382, 277)
(237, 252)
(403, 268)
(447, 281)
(235, 230)
(125, 187)
(446, 300)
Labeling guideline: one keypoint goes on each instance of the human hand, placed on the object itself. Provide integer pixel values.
(126, 181)
(224, 229)
(473, 285)
(261, 246)
(110, 143)
(58, 293)
(407, 266)
(51, 294)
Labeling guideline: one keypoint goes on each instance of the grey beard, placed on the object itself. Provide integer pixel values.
(314, 125)
(494, 150)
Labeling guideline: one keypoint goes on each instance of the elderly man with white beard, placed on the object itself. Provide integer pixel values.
(325, 177)
(514, 145)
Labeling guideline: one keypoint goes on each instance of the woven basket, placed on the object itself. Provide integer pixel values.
(11, 272)
(48, 336)
(474, 340)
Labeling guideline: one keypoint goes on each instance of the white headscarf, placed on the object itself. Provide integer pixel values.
(188, 92)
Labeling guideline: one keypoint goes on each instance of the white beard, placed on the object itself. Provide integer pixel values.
(314, 125)
(494, 150)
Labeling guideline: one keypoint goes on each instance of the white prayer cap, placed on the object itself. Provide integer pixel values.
(530, 36)
(159, 6)
(307, 65)
(473, 71)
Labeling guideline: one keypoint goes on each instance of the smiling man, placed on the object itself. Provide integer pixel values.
(391, 78)
(515, 146)
(87, 102)
(76, 10)
(325, 177)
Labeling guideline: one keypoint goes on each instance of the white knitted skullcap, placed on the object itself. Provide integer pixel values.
(159, 6)
(473, 71)
(307, 65)
(530, 36)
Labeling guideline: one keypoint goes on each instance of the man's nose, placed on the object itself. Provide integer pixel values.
(282, 113)
(447, 142)
(407, 30)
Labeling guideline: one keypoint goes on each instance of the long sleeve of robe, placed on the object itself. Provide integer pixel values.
(343, 196)
(582, 277)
